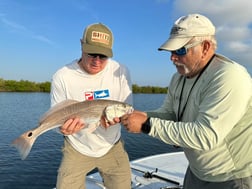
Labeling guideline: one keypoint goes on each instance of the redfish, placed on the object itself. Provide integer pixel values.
(89, 111)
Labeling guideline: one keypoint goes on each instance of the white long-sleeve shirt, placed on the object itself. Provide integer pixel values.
(215, 130)
(114, 83)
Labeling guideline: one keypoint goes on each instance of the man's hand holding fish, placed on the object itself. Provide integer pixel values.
(135, 121)
(72, 126)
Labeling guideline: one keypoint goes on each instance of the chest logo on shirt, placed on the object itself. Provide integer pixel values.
(92, 95)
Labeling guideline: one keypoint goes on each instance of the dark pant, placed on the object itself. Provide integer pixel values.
(192, 182)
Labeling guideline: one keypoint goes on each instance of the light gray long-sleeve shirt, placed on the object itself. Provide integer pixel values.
(215, 130)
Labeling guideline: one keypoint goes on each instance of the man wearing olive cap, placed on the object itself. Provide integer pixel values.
(93, 76)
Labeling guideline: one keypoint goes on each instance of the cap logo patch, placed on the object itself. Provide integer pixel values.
(100, 37)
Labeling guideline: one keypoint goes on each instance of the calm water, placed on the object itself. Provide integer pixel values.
(20, 112)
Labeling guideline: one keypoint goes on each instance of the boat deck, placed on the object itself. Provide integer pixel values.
(162, 171)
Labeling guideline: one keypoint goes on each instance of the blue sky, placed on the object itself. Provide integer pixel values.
(39, 37)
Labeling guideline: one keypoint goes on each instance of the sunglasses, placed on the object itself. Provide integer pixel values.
(183, 50)
(101, 56)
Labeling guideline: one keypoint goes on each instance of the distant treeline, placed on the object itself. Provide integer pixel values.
(23, 86)
(149, 89)
(28, 86)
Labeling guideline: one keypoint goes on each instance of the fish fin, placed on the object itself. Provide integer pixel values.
(24, 143)
(57, 107)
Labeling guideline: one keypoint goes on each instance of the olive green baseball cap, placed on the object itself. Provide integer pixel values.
(97, 39)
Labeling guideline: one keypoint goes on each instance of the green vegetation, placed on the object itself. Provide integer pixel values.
(149, 89)
(23, 86)
(28, 86)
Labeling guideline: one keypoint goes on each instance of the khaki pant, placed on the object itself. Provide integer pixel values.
(114, 168)
(192, 182)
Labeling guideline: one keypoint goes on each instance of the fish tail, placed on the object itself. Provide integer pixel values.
(24, 143)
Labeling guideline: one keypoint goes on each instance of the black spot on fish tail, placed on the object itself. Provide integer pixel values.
(30, 134)
(24, 143)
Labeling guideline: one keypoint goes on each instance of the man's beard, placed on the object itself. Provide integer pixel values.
(186, 69)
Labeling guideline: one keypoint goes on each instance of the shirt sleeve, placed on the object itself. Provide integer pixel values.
(57, 90)
(126, 86)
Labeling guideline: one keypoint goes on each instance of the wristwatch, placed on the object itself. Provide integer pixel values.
(146, 126)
